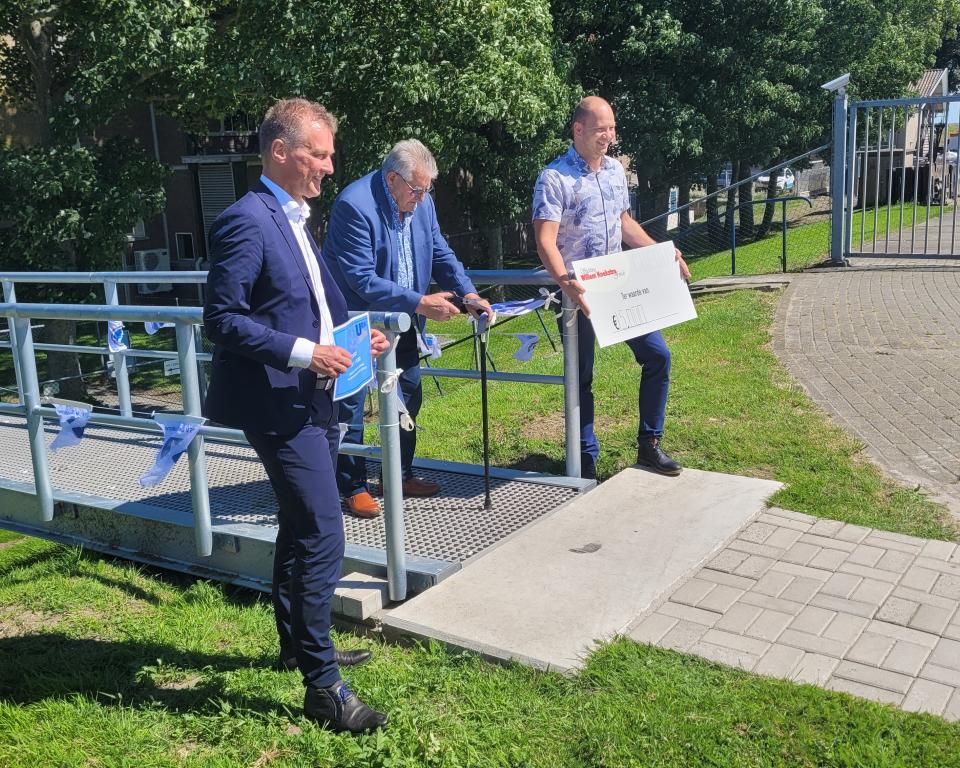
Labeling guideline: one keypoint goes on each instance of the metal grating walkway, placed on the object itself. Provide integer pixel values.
(108, 462)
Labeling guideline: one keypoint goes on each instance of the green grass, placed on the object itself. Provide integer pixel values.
(807, 244)
(110, 664)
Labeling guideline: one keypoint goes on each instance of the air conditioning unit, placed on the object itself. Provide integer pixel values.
(156, 260)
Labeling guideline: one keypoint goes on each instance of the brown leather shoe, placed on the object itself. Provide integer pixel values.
(417, 486)
(363, 505)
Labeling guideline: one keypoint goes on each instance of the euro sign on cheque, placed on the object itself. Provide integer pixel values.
(634, 292)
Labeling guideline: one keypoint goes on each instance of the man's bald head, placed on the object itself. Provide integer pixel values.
(594, 129)
(591, 106)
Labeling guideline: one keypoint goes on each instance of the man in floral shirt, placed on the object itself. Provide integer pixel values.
(581, 209)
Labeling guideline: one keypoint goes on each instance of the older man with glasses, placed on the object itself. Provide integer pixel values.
(383, 247)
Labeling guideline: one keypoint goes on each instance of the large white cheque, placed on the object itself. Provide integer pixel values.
(634, 292)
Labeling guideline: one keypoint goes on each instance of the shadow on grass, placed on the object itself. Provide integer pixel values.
(52, 665)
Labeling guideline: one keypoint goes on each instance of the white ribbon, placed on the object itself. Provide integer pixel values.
(390, 378)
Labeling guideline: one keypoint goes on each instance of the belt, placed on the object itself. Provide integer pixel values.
(324, 383)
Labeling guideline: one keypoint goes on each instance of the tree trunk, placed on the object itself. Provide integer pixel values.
(714, 222)
(64, 367)
(731, 214)
(493, 236)
(654, 201)
(770, 208)
(683, 198)
(745, 193)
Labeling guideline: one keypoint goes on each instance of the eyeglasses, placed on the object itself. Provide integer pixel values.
(418, 191)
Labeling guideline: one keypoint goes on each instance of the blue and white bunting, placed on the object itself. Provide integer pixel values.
(178, 432)
(73, 421)
(115, 336)
(152, 328)
(528, 343)
(428, 344)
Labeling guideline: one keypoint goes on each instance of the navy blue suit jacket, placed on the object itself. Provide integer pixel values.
(259, 301)
(363, 254)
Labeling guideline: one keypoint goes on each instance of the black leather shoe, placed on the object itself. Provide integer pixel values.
(339, 708)
(288, 660)
(650, 454)
(588, 467)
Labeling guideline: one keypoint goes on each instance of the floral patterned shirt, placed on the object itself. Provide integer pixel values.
(588, 205)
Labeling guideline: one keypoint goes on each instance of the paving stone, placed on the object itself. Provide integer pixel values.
(361, 595)
(828, 559)
(864, 691)
(719, 577)
(841, 585)
(758, 533)
(902, 538)
(813, 620)
(929, 618)
(952, 711)
(814, 668)
(947, 586)
(872, 591)
(868, 572)
(727, 560)
(683, 636)
(902, 633)
(801, 553)
(953, 630)
(783, 538)
(773, 583)
(866, 555)
(826, 527)
(895, 561)
(842, 605)
(853, 533)
(772, 603)
(723, 655)
(754, 566)
(737, 642)
(802, 570)
(738, 618)
(779, 661)
(896, 610)
(871, 649)
(879, 678)
(783, 522)
(922, 579)
(692, 592)
(938, 565)
(925, 598)
(801, 589)
(927, 696)
(940, 674)
(652, 629)
(827, 543)
(845, 628)
(769, 625)
(938, 550)
(720, 598)
(748, 547)
(791, 515)
(813, 643)
(689, 613)
(906, 658)
(946, 654)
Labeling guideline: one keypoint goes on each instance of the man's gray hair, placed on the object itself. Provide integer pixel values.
(408, 156)
(286, 118)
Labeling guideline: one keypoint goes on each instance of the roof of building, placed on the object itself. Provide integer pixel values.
(932, 82)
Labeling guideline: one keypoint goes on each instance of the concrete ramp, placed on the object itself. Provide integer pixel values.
(585, 572)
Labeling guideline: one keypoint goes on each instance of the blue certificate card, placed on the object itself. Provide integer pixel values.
(354, 336)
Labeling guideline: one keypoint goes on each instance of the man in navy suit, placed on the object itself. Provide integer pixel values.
(383, 247)
(271, 306)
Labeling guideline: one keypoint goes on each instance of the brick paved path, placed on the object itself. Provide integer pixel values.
(878, 347)
(849, 608)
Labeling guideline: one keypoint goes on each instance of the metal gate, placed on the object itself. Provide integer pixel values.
(900, 185)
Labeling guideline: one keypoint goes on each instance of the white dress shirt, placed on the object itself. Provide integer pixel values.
(297, 215)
